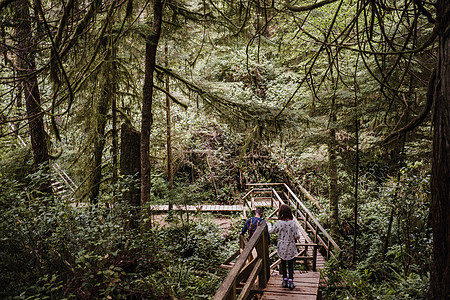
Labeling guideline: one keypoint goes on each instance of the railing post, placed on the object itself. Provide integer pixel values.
(271, 198)
(314, 257)
(306, 222)
(252, 199)
(296, 210)
(288, 196)
(262, 249)
(328, 250)
(232, 294)
(316, 229)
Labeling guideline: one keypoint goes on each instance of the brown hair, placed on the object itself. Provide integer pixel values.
(285, 213)
(259, 211)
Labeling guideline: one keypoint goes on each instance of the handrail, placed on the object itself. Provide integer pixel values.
(310, 221)
(252, 192)
(67, 180)
(60, 172)
(317, 227)
(242, 270)
(259, 267)
(305, 192)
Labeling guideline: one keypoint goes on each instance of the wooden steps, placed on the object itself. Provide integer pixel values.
(306, 287)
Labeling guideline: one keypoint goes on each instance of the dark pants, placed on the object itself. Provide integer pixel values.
(290, 264)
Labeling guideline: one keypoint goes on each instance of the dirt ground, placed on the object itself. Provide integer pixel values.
(224, 223)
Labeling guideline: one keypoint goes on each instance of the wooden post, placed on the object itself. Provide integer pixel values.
(314, 258)
(328, 250)
(288, 196)
(263, 252)
(296, 210)
(315, 234)
(232, 294)
(271, 199)
(306, 223)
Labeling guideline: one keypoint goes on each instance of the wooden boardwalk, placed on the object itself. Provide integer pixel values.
(306, 282)
(245, 272)
(306, 287)
(209, 208)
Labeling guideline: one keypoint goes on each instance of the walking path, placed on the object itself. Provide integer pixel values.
(306, 287)
(209, 208)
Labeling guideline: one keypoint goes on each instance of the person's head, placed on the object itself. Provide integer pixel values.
(259, 212)
(285, 213)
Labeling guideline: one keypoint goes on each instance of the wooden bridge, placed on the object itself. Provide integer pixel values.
(252, 273)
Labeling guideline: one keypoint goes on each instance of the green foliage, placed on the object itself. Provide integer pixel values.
(55, 251)
(361, 283)
(403, 271)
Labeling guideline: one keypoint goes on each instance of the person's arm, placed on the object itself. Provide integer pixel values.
(244, 229)
(296, 232)
(273, 228)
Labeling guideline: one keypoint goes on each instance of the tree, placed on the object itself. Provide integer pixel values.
(130, 165)
(440, 176)
(27, 76)
(151, 46)
(108, 87)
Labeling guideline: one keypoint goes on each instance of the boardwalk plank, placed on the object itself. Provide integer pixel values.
(270, 296)
(306, 287)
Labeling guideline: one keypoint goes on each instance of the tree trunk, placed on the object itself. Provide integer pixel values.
(355, 208)
(169, 132)
(333, 191)
(440, 175)
(27, 75)
(151, 46)
(130, 164)
(101, 118)
(114, 141)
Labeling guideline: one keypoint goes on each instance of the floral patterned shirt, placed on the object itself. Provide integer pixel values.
(287, 235)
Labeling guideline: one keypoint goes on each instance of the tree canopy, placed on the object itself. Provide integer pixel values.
(127, 103)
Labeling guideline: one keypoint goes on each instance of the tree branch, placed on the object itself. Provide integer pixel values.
(424, 11)
(5, 3)
(419, 119)
(185, 106)
(307, 7)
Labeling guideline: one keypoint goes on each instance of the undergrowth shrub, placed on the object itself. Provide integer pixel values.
(394, 268)
(56, 251)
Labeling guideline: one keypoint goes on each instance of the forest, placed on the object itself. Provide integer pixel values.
(110, 108)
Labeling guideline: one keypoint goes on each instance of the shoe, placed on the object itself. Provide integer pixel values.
(285, 283)
(291, 285)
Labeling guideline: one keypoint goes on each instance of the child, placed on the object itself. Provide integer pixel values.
(252, 224)
(288, 233)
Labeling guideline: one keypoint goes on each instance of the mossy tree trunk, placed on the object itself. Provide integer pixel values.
(27, 76)
(130, 165)
(151, 46)
(333, 188)
(168, 131)
(108, 89)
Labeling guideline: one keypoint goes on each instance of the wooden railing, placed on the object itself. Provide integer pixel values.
(242, 277)
(281, 193)
(66, 182)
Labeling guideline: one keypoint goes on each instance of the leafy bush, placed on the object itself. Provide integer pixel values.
(56, 251)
